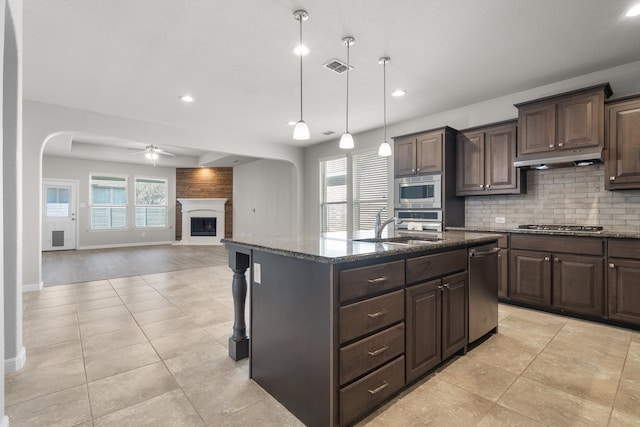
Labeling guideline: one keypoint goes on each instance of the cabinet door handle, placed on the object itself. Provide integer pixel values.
(560, 144)
(546, 258)
(441, 288)
(556, 259)
(488, 185)
(379, 388)
(481, 186)
(612, 178)
(413, 170)
(377, 281)
(446, 285)
(550, 145)
(418, 169)
(377, 314)
(378, 351)
(612, 265)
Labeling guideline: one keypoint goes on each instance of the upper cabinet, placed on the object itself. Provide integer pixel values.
(485, 158)
(622, 157)
(562, 124)
(420, 154)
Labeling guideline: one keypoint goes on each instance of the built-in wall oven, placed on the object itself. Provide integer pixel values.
(418, 192)
(430, 220)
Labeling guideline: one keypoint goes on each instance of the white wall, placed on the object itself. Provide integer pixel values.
(265, 199)
(11, 200)
(79, 170)
(624, 80)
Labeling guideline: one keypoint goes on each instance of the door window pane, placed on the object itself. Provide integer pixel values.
(57, 202)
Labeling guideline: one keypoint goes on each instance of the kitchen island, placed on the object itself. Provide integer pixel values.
(340, 325)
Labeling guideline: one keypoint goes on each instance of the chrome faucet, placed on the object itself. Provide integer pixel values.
(381, 225)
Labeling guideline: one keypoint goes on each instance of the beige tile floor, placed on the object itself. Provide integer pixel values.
(151, 350)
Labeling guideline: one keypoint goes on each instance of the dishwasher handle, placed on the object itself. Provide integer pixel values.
(480, 254)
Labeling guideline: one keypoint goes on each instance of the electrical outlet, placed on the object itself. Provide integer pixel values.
(500, 220)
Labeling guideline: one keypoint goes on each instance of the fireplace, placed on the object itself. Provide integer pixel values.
(203, 226)
(202, 221)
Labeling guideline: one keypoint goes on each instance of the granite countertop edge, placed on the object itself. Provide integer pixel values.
(604, 233)
(359, 251)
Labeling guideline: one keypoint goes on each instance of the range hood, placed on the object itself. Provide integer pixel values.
(578, 157)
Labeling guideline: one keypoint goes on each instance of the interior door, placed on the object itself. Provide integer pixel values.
(59, 215)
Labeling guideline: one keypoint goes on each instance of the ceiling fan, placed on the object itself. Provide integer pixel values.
(152, 153)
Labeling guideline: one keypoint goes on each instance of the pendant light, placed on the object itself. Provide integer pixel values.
(346, 141)
(301, 130)
(385, 147)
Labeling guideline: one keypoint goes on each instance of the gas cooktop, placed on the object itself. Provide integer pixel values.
(557, 227)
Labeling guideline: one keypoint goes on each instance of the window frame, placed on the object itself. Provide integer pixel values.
(111, 206)
(136, 178)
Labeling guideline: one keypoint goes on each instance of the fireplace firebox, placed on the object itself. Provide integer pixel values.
(203, 226)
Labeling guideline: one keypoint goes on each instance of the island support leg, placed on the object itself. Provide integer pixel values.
(239, 341)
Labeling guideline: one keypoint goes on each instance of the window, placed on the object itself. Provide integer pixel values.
(151, 202)
(370, 189)
(334, 194)
(108, 202)
(57, 202)
(354, 189)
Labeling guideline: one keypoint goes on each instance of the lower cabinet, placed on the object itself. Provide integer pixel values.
(436, 318)
(566, 273)
(624, 281)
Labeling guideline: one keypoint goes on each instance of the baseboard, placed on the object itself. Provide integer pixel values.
(15, 363)
(126, 245)
(33, 287)
(4, 422)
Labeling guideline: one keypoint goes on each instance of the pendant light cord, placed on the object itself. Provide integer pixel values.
(384, 97)
(300, 18)
(346, 126)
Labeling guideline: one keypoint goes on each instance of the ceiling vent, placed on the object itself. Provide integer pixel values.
(337, 66)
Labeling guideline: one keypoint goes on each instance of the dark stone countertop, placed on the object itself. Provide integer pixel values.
(602, 234)
(339, 247)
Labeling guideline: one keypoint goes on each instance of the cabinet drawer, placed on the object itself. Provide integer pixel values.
(430, 266)
(624, 249)
(371, 315)
(369, 353)
(372, 390)
(565, 244)
(359, 282)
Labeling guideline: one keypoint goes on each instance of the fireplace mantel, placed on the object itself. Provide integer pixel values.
(202, 207)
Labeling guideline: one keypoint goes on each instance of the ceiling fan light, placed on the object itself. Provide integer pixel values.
(151, 155)
(384, 150)
(301, 131)
(346, 141)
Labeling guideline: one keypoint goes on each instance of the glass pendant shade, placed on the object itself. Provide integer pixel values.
(301, 130)
(346, 142)
(384, 150)
(151, 155)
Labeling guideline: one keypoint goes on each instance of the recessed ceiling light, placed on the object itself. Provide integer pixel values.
(634, 11)
(301, 50)
(186, 98)
(399, 92)
(291, 123)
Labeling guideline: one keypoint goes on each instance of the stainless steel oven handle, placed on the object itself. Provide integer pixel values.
(475, 254)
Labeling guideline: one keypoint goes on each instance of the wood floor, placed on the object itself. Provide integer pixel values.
(63, 267)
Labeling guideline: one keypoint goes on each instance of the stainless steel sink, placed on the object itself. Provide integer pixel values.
(403, 240)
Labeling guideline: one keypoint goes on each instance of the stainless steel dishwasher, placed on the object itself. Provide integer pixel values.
(483, 290)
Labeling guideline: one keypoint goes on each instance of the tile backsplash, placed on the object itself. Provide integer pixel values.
(573, 195)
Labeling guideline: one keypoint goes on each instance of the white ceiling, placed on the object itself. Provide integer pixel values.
(134, 58)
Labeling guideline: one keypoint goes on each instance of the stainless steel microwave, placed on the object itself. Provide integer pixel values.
(418, 192)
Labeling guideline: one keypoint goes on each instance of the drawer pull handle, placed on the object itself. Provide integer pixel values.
(377, 314)
(378, 351)
(379, 388)
(612, 265)
(378, 281)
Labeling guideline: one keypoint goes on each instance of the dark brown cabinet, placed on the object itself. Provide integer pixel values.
(624, 281)
(419, 154)
(622, 157)
(563, 273)
(554, 125)
(485, 161)
(436, 311)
